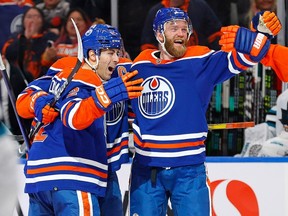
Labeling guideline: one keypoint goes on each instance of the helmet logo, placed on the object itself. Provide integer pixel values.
(88, 32)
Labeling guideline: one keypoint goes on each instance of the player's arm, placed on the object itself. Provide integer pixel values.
(254, 45)
(34, 100)
(79, 111)
(277, 56)
(24, 100)
(26, 96)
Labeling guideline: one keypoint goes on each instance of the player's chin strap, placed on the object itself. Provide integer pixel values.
(93, 67)
(162, 44)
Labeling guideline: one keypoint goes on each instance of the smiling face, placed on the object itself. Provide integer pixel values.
(175, 37)
(80, 22)
(108, 60)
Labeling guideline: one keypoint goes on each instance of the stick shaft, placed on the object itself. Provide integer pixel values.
(233, 125)
(13, 101)
(70, 77)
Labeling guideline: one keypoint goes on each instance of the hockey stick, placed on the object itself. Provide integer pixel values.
(13, 101)
(233, 125)
(66, 83)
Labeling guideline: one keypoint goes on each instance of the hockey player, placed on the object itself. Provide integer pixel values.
(170, 127)
(66, 169)
(117, 133)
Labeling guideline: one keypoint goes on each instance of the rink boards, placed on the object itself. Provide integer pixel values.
(239, 186)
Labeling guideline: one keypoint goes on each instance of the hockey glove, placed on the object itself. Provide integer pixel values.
(40, 104)
(267, 23)
(117, 89)
(254, 44)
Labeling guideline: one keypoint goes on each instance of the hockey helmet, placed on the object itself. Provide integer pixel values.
(164, 15)
(100, 36)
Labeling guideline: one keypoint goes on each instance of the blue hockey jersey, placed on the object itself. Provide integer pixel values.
(117, 125)
(69, 153)
(116, 129)
(170, 125)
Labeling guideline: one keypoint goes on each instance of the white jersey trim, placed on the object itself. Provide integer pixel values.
(66, 177)
(67, 159)
(170, 154)
(169, 137)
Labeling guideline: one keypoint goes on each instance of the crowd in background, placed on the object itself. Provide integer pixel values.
(36, 33)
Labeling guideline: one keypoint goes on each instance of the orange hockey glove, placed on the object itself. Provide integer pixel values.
(267, 23)
(227, 40)
(39, 104)
(245, 41)
(49, 114)
(116, 90)
(133, 88)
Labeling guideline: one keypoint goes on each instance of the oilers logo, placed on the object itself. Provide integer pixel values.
(115, 114)
(157, 97)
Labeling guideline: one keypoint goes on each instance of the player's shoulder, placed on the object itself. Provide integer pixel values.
(196, 51)
(144, 55)
(123, 60)
(65, 62)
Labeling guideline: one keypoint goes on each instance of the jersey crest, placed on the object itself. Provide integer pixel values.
(115, 114)
(158, 97)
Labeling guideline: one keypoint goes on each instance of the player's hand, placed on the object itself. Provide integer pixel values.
(267, 23)
(133, 87)
(39, 104)
(116, 90)
(49, 114)
(228, 37)
(245, 41)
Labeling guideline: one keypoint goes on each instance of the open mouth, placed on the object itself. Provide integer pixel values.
(179, 41)
(110, 68)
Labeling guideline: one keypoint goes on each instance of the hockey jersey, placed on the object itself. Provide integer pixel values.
(69, 153)
(277, 58)
(117, 125)
(116, 119)
(170, 125)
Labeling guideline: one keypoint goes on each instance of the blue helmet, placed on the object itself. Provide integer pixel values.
(164, 15)
(100, 36)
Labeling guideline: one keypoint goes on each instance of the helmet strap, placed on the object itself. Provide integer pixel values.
(93, 67)
(162, 44)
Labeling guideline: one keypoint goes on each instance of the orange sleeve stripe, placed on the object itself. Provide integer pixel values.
(237, 63)
(167, 146)
(86, 204)
(118, 148)
(23, 105)
(66, 168)
(65, 113)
